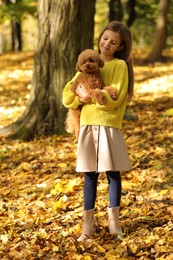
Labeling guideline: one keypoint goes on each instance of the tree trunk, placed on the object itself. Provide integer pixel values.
(65, 28)
(115, 10)
(122, 10)
(2, 40)
(159, 41)
(132, 13)
(129, 13)
(16, 35)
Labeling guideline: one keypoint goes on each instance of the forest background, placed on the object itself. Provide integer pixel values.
(41, 195)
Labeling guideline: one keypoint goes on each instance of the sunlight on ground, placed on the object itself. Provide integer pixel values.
(15, 84)
(10, 114)
(15, 74)
(157, 86)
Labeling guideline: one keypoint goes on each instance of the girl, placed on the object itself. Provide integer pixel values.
(101, 146)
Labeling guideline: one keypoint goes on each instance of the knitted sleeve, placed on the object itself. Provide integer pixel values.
(69, 99)
(120, 83)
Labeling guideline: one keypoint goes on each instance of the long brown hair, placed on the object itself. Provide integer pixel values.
(124, 54)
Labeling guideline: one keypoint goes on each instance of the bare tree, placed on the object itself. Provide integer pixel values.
(159, 40)
(122, 10)
(65, 28)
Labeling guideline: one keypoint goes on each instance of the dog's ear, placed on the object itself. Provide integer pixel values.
(77, 67)
(101, 63)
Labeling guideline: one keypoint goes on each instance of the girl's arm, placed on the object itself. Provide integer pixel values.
(120, 83)
(70, 100)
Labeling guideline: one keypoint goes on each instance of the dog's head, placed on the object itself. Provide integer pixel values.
(89, 61)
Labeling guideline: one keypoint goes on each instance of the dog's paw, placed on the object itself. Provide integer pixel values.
(113, 96)
(111, 91)
(99, 97)
(101, 100)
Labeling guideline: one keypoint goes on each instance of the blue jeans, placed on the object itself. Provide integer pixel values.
(90, 189)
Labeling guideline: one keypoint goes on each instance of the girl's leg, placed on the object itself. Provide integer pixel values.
(90, 190)
(114, 180)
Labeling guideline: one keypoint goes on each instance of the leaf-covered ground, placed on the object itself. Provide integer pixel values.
(41, 196)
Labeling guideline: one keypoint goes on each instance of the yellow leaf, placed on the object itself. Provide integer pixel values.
(87, 257)
(163, 192)
(112, 255)
(138, 210)
(148, 240)
(42, 233)
(124, 212)
(169, 112)
(71, 184)
(60, 204)
(128, 185)
(100, 248)
(62, 165)
(53, 192)
(22, 213)
(6, 191)
(25, 166)
(55, 248)
(58, 189)
(147, 218)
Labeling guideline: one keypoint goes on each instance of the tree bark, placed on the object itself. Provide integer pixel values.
(16, 35)
(115, 10)
(129, 13)
(159, 41)
(65, 28)
(122, 10)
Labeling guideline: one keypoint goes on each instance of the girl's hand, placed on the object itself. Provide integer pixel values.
(82, 94)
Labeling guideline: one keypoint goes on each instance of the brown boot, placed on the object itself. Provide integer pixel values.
(113, 221)
(88, 225)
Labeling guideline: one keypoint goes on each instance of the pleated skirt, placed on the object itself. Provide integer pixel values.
(101, 149)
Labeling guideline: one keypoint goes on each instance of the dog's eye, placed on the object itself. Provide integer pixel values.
(91, 60)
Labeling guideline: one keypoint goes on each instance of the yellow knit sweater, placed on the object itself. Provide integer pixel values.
(114, 73)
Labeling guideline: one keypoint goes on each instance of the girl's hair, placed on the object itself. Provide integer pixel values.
(124, 54)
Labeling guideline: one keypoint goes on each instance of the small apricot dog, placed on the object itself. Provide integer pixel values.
(89, 64)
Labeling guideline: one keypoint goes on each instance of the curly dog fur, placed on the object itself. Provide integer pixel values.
(89, 64)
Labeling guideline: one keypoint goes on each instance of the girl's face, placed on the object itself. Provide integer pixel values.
(109, 43)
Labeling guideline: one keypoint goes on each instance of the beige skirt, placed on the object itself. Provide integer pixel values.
(101, 149)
